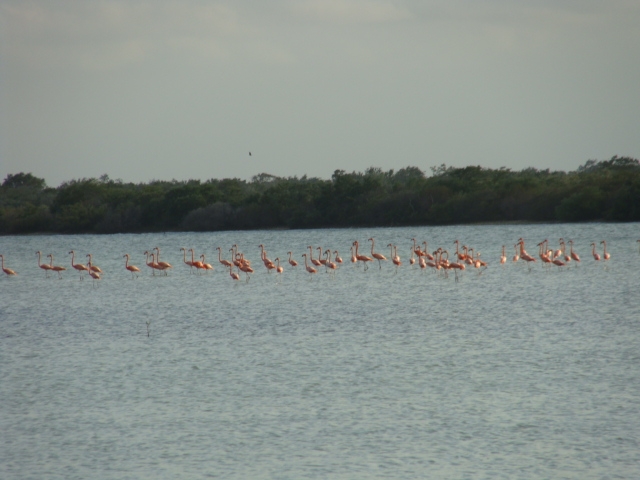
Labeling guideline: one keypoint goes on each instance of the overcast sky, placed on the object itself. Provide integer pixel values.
(159, 89)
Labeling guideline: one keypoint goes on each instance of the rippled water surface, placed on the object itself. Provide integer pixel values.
(506, 374)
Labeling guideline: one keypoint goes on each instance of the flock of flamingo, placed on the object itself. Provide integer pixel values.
(438, 259)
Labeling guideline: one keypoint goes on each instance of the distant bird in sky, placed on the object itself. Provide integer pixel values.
(249, 153)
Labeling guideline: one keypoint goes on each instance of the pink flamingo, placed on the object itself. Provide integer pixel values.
(317, 263)
(311, 270)
(377, 256)
(224, 262)
(596, 255)
(362, 258)
(78, 266)
(232, 274)
(7, 271)
(605, 255)
(153, 265)
(165, 265)
(92, 273)
(329, 265)
(43, 266)
(55, 268)
(207, 266)
(132, 268)
(574, 255)
(279, 269)
(92, 267)
(184, 259)
(196, 263)
(292, 262)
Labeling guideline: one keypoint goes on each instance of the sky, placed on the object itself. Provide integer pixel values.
(166, 89)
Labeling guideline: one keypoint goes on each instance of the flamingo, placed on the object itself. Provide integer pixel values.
(196, 263)
(162, 267)
(269, 265)
(422, 262)
(461, 256)
(596, 255)
(425, 252)
(207, 266)
(433, 263)
(563, 248)
(457, 266)
(317, 263)
(232, 274)
(43, 266)
(503, 257)
(263, 256)
(337, 258)
(244, 265)
(574, 255)
(184, 259)
(362, 258)
(234, 255)
(92, 267)
(323, 261)
(311, 270)
(132, 268)
(468, 257)
(95, 275)
(524, 255)
(516, 257)
(605, 255)
(224, 262)
(55, 268)
(153, 265)
(412, 260)
(542, 252)
(393, 253)
(416, 249)
(78, 266)
(353, 259)
(279, 269)
(292, 262)
(7, 271)
(560, 250)
(377, 256)
(165, 265)
(328, 263)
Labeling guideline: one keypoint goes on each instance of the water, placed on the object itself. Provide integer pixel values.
(508, 374)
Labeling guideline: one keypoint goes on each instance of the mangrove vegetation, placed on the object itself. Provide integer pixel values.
(607, 190)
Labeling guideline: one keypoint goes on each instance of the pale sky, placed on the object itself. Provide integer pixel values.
(159, 89)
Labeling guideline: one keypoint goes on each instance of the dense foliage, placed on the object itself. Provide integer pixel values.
(599, 190)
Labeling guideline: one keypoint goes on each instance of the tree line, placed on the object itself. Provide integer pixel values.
(607, 190)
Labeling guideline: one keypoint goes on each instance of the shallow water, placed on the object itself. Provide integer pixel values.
(506, 374)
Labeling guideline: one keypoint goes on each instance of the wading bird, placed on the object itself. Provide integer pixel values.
(132, 268)
(78, 266)
(55, 268)
(93, 268)
(377, 256)
(43, 266)
(311, 270)
(7, 271)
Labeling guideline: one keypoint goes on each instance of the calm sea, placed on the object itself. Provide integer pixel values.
(508, 373)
